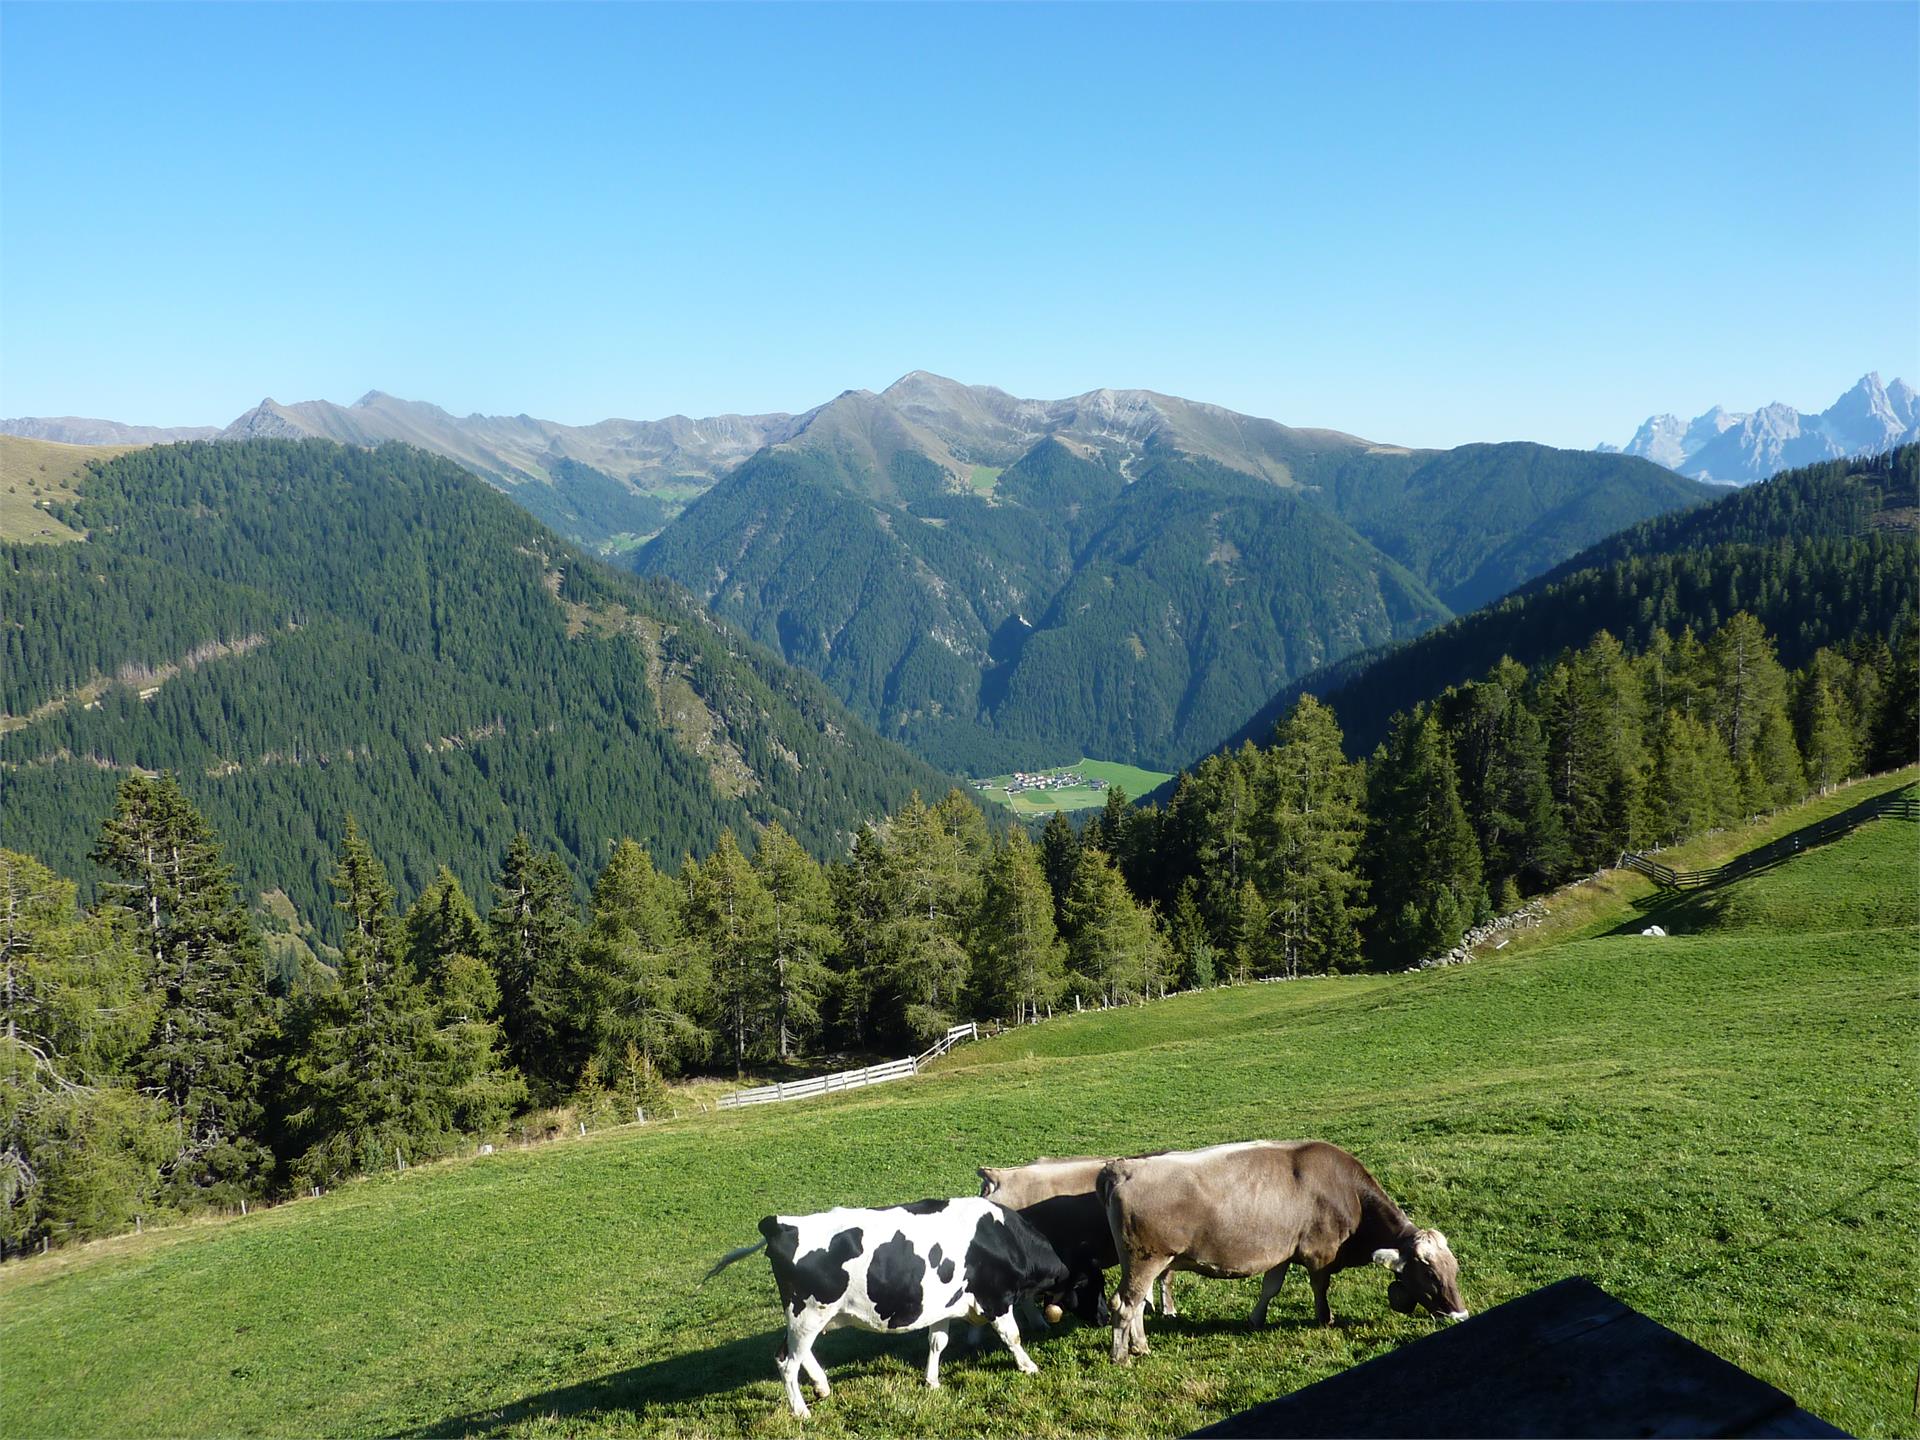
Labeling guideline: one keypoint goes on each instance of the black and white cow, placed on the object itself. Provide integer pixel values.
(910, 1267)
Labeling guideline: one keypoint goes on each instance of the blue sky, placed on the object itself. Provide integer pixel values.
(1425, 225)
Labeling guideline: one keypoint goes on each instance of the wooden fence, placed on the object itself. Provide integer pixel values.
(1901, 804)
(851, 1079)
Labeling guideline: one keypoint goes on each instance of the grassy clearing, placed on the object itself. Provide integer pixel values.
(1718, 1127)
(36, 471)
(984, 478)
(1131, 778)
(1627, 901)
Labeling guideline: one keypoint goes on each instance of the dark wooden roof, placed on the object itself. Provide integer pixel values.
(1567, 1360)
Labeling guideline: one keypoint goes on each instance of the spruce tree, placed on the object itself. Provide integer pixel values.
(1419, 855)
(367, 1080)
(1059, 853)
(1896, 731)
(1118, 953)
(1195, 956)
(533, 930)
(1694, 787)
(477, 1089)
(205, 975)
(1502, 758)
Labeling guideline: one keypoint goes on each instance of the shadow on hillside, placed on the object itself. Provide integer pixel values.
(691, 1377)
(1681, 912)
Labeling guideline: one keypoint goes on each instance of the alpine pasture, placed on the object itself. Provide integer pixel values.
(1716, 1126)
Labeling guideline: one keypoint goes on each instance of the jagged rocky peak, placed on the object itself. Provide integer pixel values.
(1735, 448)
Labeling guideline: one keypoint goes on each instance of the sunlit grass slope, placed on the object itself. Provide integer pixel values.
(35, 471)
(1717, 1126)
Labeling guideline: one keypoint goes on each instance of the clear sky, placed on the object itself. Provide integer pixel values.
(1421, 224)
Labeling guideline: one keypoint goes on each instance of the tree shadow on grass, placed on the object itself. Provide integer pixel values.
(695, 1376)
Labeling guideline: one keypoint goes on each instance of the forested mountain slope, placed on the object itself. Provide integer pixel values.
(300, 630)
(1819, 555)
(1130, 579)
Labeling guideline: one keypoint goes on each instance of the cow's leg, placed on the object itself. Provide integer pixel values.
(815, 1371)
(1322, 1312)
(1008, 1329)
(1166, 1293)
(1269, 1287)
(788, 1359)
(936, 1342)
(797, 1355)
(1130, 1304)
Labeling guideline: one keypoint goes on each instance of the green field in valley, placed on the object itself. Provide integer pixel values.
(1130, 778)
(1717, 1127)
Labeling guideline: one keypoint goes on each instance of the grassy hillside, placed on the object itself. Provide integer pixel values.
(1716, 1126)
(34, 472)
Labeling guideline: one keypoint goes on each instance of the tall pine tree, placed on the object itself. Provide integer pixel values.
(214, 1021)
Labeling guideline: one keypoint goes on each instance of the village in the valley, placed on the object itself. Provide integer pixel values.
(1022, 781)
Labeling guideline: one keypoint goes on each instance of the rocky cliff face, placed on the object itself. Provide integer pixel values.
(1737, 449)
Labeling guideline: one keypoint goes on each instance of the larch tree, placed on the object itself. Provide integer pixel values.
(1310, 829)
(639, 982)
(730, 914)
(81, 1150)
(801, 938)
(1019, 963)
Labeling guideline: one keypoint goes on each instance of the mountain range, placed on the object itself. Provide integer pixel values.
(996, 581)
(1737, 449)
(1000, 581)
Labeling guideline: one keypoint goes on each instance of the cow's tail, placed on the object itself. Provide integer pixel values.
(731, 1256)
(1103, 1186)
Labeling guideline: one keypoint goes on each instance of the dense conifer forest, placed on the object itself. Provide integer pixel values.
(1821, 556)
(1126, 606)
(297, 630)
(160, 1054)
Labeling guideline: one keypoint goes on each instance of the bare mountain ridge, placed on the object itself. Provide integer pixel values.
(956, 426)
(81, 430)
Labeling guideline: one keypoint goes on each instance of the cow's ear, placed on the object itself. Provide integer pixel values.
(1390, 1258)
(989, 1180)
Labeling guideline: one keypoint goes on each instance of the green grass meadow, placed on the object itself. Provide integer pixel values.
(1131, 778)
(1719, 1127)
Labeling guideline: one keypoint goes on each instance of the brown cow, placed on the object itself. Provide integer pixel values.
(1254, 1208)
(1057, 1195)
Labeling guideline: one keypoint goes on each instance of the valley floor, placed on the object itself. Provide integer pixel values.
(1716, 1126)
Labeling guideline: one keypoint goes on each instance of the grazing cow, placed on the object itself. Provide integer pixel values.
(1254, 1209)
(1057, 1195)
(911, 1267)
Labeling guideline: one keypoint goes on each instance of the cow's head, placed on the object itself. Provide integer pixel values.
(1082, 1293)
(990, 1181)
(1424, 1273)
